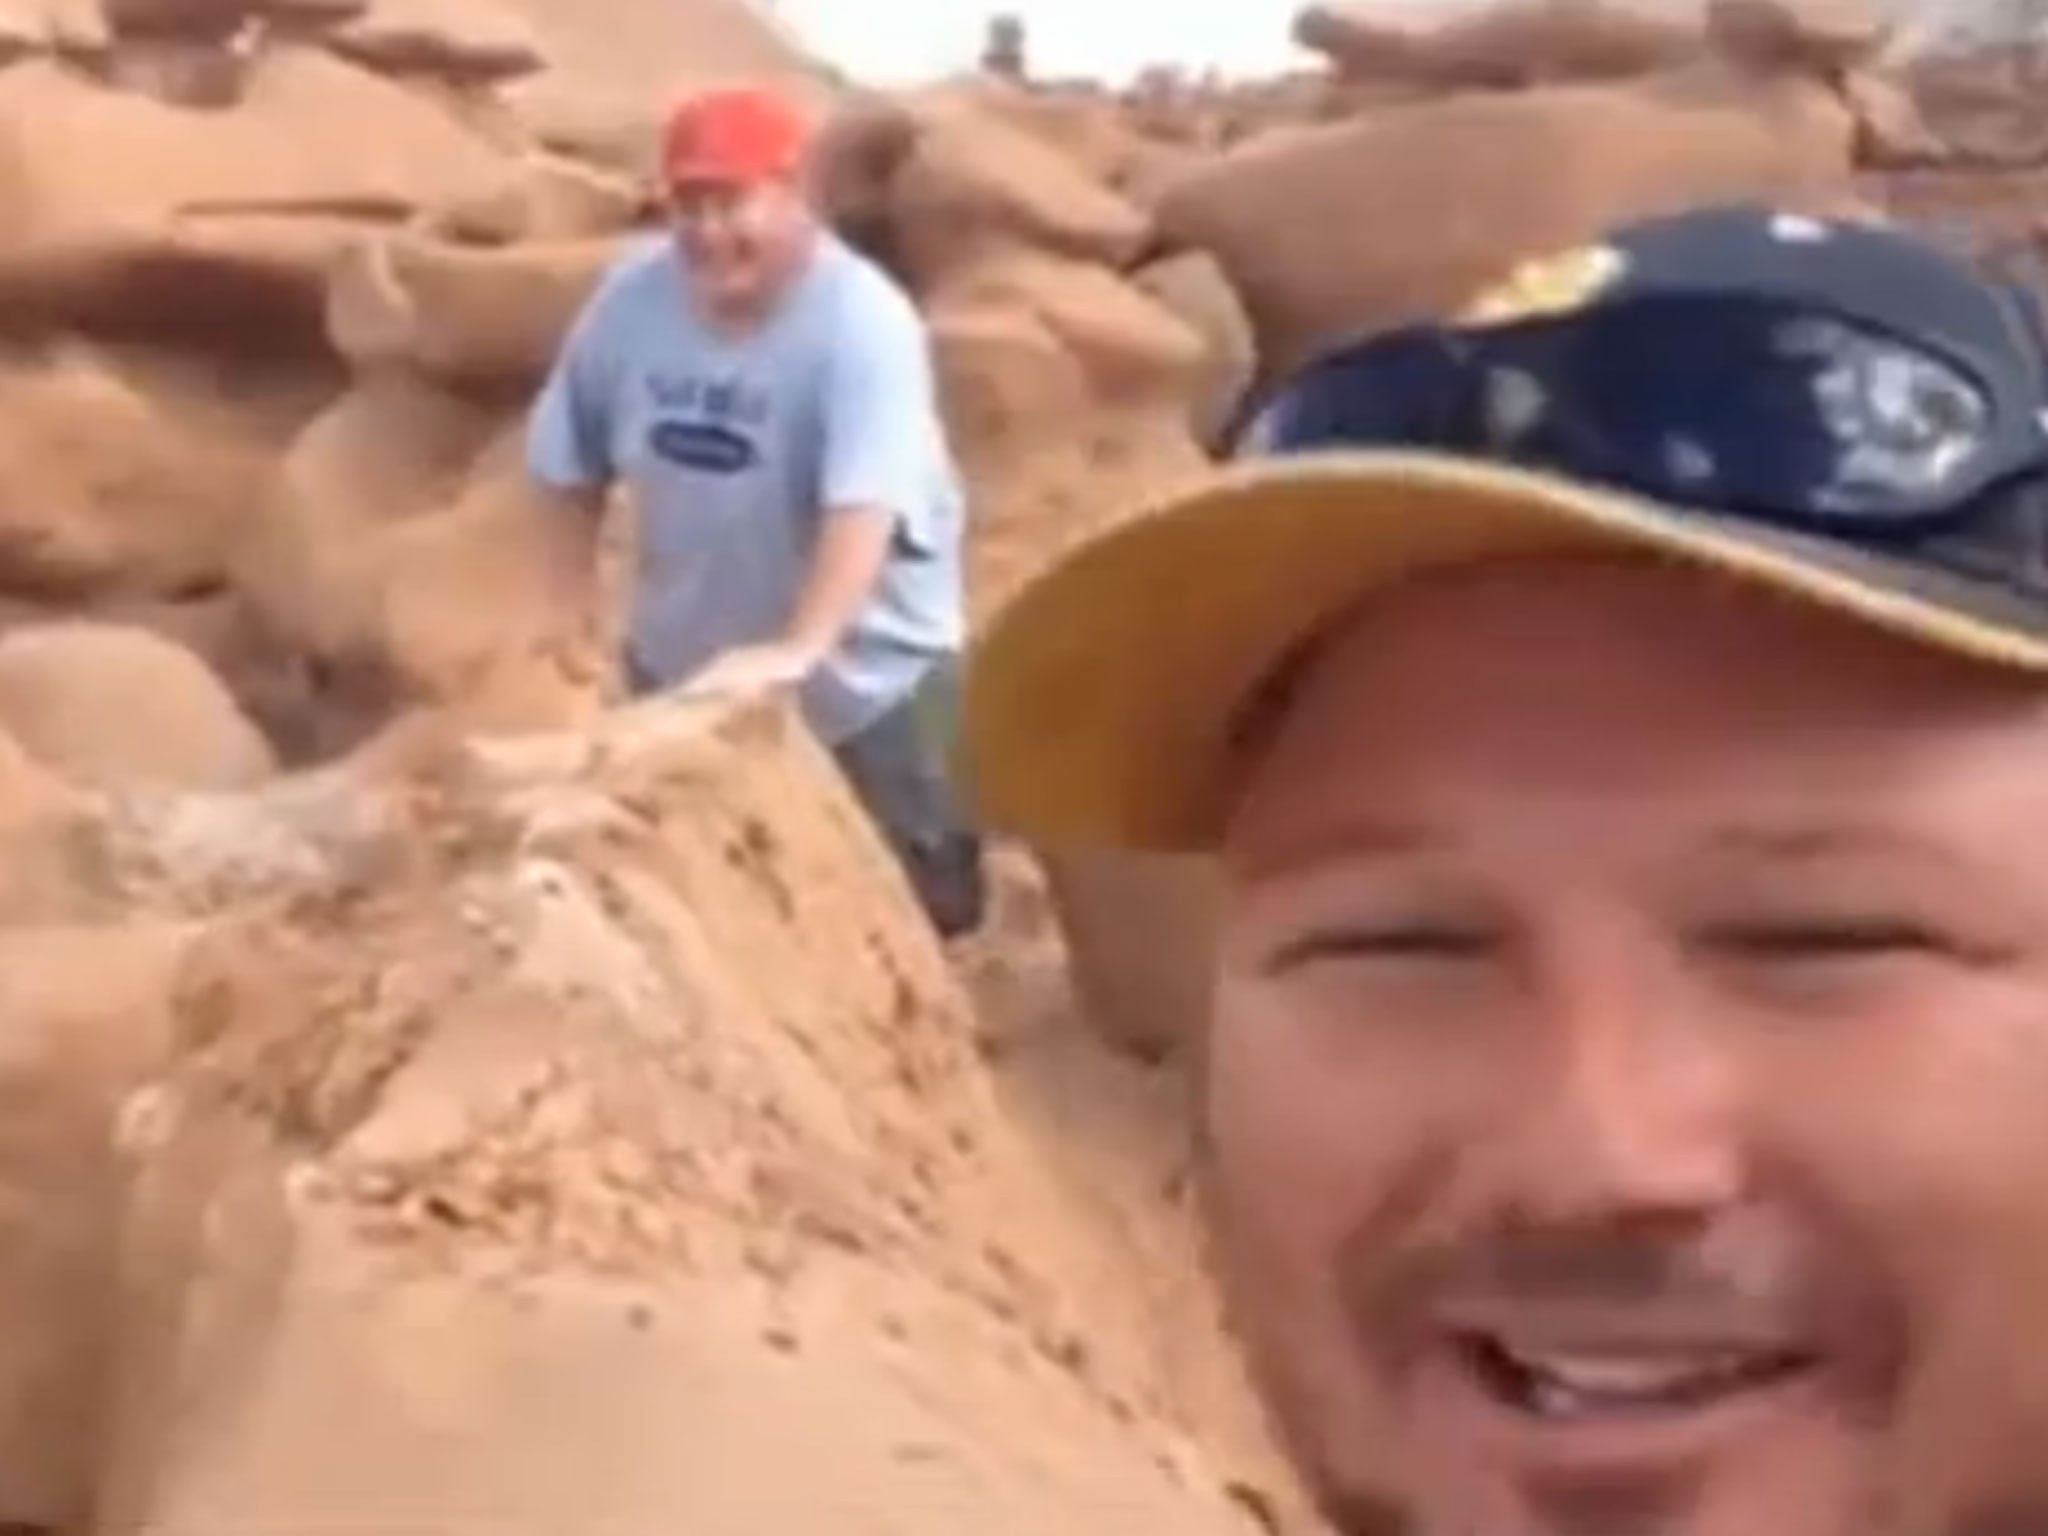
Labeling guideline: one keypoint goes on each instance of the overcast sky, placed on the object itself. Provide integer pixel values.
(897, 41)
(891, 42)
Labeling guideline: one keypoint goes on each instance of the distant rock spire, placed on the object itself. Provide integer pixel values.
(1003, 53)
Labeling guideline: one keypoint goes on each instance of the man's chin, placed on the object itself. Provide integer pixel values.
(1812, 1483)
(1844, 1489)
(1608, 1508)
(740, 296)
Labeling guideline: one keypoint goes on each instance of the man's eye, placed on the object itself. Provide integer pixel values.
(1826, 938)
(1408, 941)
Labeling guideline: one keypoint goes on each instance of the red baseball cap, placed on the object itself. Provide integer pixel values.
(733, 135)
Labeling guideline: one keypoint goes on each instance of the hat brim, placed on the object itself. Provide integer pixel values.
(1100, 704)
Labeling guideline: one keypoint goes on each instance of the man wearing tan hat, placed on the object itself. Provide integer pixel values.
(768, 394)
(1621, 717)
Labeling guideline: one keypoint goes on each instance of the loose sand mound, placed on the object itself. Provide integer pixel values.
(560, 1137)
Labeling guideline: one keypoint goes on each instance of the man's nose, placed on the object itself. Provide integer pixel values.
(1629, 1113)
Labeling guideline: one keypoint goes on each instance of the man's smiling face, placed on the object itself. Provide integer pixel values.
(1625, 1106)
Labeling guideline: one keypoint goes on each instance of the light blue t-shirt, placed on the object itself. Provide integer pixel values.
(735, 447)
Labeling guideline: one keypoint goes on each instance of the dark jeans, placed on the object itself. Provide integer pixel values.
(898, 768)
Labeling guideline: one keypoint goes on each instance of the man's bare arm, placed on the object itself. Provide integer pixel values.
(853, 546)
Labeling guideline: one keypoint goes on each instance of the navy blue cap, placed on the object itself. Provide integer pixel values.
(1782, 347)
(1840, 411)
(1880, 276)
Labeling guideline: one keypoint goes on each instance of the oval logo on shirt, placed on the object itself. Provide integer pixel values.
(702, 445)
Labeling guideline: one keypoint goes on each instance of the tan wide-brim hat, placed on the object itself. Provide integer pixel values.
(1101, 705)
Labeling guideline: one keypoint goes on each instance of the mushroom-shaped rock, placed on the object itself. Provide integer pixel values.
(298, 18)
(106, 704)
(462, 315)
(1006, 379)
(972, 183)
(1090, 129)
(1192, 286)
(205, 19)
(859, 150)
(566, 115)
(544, 197)
(1329, 231)
(1358, 45)
(1128, 344)
(394, 448)
(1500, 45)
(469, 40)
(238, 284)
(112, 485)
(1891, 130)
(1811, 35)
(311, 134)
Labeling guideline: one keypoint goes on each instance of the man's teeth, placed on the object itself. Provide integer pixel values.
(1565, 1384)
(1612, 1376)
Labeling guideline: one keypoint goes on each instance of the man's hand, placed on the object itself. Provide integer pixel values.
(751, 669)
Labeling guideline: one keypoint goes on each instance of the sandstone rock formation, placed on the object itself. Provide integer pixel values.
(1303, 223)
(559, 1136)
(101, 703)
(266, 369)
(435, 1099)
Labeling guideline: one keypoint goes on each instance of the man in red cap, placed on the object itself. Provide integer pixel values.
(732, 163)
(767, 395)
